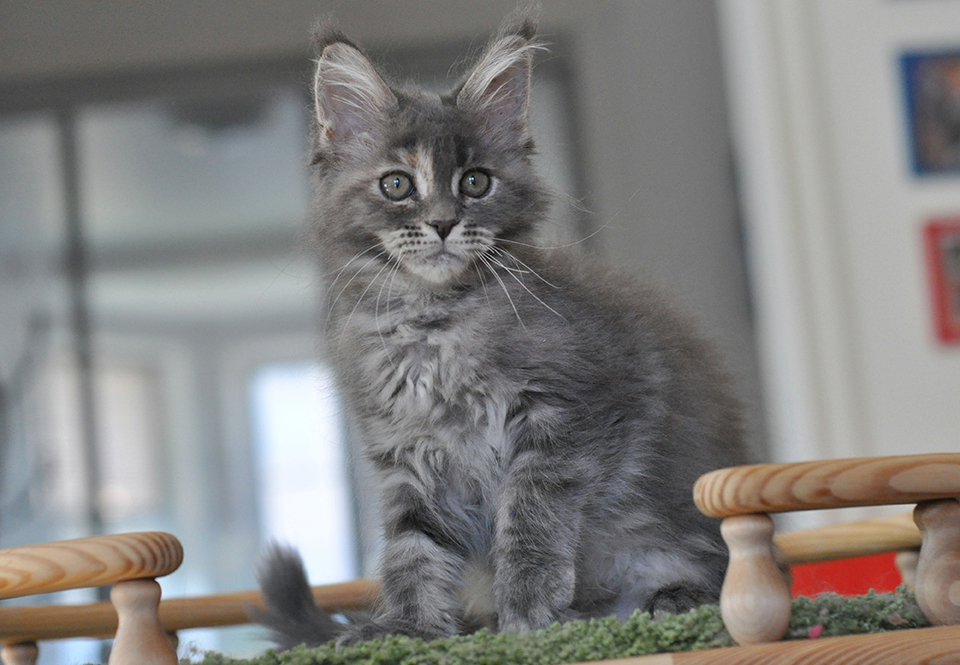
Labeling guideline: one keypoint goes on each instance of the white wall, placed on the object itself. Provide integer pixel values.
(834, 215)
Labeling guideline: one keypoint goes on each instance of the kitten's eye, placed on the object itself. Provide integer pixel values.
(396, 186)
(475, 183)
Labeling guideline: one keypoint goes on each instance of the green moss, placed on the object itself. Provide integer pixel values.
(597, 639)
(872, 613)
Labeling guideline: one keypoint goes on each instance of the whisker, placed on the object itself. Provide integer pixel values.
(346, 323)
(564, 246)
(393, 276)
(483, 282)
(519, 271)
(574, 202)
(355, 275)
(376, 311)
(525, 288)
(501, 251)
(346, 265)
(493, 271)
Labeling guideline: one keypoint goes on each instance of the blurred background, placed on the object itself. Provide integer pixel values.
(788, 169)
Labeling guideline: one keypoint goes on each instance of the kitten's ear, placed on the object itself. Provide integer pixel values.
(498, 88)
(352, 101)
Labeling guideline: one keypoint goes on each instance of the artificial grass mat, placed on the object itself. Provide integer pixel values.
(598, 639)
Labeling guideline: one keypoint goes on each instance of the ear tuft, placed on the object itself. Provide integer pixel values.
(524, 26)
(352, 100)
(498, 88)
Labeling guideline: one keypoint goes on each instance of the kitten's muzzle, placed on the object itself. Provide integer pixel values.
(443, 228)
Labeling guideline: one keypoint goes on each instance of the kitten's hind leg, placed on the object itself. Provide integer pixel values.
(665, 579)
(678, 599)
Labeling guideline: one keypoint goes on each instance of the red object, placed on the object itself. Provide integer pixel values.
(942, 241)
(848, 577)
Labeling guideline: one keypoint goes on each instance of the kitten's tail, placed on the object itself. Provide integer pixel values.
(291, 615)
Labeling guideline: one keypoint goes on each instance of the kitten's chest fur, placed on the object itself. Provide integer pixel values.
(433, 399)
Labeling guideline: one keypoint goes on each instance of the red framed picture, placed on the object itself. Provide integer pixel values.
(942, 240)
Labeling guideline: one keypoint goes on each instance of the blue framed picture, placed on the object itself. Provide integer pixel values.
(932, 81)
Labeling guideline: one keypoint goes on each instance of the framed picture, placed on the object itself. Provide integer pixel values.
(942, 240)
(932, 82)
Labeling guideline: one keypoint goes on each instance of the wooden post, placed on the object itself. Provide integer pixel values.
(141, 640)
(20, 653)
(755, 599)
(906, 561)
(938, 567)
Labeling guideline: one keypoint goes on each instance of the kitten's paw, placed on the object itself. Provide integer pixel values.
(513, 625)
(535, 618)
(360, 633)
(528, 598)
(372, 630)
(678, 599)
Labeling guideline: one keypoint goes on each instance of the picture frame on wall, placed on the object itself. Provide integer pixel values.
(942, 241)
(932, 86)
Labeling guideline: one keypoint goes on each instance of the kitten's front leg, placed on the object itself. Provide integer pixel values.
(420, 574)
(535, 544)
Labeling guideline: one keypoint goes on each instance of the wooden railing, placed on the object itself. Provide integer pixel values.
(128, 561)
(753, 598)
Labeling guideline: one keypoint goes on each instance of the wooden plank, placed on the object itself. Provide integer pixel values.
(50, 622)
(919, 646)
(839, 541)
(869, 481)
(231, 609)
(87, 562)
(18, 624)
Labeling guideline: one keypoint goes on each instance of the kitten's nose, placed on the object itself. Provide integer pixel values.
(443, 227)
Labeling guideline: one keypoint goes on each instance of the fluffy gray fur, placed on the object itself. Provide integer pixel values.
(537, 421)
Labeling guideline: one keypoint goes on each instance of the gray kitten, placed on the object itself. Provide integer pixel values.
(537, 422)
